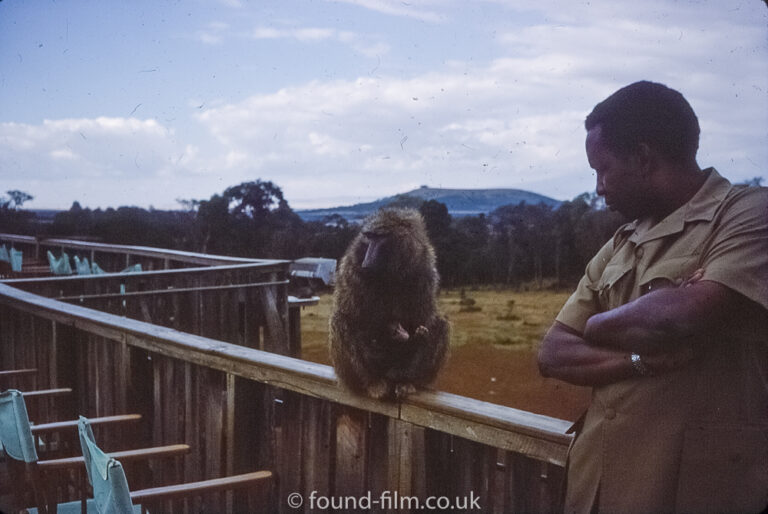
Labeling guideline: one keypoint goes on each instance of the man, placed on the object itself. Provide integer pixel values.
(669, 324)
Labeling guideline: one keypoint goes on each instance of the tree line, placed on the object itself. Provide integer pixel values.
(515, 245)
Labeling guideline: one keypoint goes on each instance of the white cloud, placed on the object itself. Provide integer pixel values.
(75, 157)
(364, 44)
(416, 9)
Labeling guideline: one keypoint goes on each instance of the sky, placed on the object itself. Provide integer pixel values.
(144, 103)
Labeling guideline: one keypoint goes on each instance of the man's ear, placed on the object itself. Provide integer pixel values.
(645, 159)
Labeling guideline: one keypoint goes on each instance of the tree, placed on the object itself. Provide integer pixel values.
(12, 217)
(254, 200)
(16, 200)
(752, 182)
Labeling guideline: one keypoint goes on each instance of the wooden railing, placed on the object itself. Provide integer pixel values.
(243, 409)
(117, 257)
(244, 304)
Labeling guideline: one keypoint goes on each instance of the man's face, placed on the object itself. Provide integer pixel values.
(619, 180)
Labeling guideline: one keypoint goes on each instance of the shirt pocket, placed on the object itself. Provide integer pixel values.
(723, 468)
(614, 287)
(669, 272)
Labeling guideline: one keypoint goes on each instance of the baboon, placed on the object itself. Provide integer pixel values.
(386, 336)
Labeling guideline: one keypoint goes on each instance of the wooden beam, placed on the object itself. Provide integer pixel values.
(203, 487)
(157, 452)
(58, 426)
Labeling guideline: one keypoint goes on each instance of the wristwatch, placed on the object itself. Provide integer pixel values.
(638, 365)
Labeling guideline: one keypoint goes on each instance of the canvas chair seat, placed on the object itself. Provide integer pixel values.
(60, 266)
(82, 267)
(134, 268)
(17, 259)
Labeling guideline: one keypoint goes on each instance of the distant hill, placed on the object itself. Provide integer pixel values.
(460, 202)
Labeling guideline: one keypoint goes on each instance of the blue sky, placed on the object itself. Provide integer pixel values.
(142, 103)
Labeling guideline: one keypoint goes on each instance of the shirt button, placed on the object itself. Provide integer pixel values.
(610, 413)
(639, 253)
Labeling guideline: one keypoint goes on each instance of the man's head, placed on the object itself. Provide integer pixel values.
(650, 113)
(631, 135)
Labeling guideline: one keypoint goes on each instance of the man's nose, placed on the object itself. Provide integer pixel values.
(600, 187)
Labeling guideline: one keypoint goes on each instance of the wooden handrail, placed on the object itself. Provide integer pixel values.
(145, 251)
(194, 488)
(534, 435)
(57, 426)
(45, 393)
(16, 372)
(123, 456)
(265, 266)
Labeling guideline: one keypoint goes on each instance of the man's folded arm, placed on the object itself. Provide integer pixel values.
(663, 320)
(565, 355)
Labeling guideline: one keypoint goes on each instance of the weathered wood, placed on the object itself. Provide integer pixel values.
(188, 489)
(17, 372)
(242, 409)
(123, 456)
(351, 441)
(56, 426)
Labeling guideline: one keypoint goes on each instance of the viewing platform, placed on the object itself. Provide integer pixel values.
(206, 349)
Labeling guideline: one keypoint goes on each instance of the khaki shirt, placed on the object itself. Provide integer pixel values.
(695, 439)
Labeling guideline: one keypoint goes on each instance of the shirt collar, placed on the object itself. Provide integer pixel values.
(701, 207)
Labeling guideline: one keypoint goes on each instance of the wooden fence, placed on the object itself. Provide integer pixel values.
(242, 409)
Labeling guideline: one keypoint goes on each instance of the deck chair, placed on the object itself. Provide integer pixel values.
(60, 266)
(110, 487)
(82, 267)
(31, 479)
(96, 269)
(135, 268)
(17, 260)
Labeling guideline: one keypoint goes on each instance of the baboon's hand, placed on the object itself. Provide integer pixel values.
(421, 331)
(403, 390)
(398, 333)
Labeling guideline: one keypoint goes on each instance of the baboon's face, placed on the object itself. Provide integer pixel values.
(378, 252)
(387, 254)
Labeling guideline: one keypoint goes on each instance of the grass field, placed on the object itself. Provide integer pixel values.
(495, 335)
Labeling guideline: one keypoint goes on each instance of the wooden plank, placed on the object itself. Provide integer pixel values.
(122, 456)
(318, 446)
(351, 440)
(190, 489)
(17, 372)
(509, 439)
(276, 324)
(44, 428)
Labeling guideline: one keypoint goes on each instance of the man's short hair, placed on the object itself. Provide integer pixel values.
(651, 113)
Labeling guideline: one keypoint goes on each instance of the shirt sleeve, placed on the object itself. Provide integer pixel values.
(584, 302)
(737, 254)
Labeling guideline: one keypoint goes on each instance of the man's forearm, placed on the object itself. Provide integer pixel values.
(565, 355)
(661, 319)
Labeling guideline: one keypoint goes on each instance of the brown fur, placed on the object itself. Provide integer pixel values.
(386, 337)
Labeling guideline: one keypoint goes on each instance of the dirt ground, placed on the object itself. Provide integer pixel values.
(495, 335)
